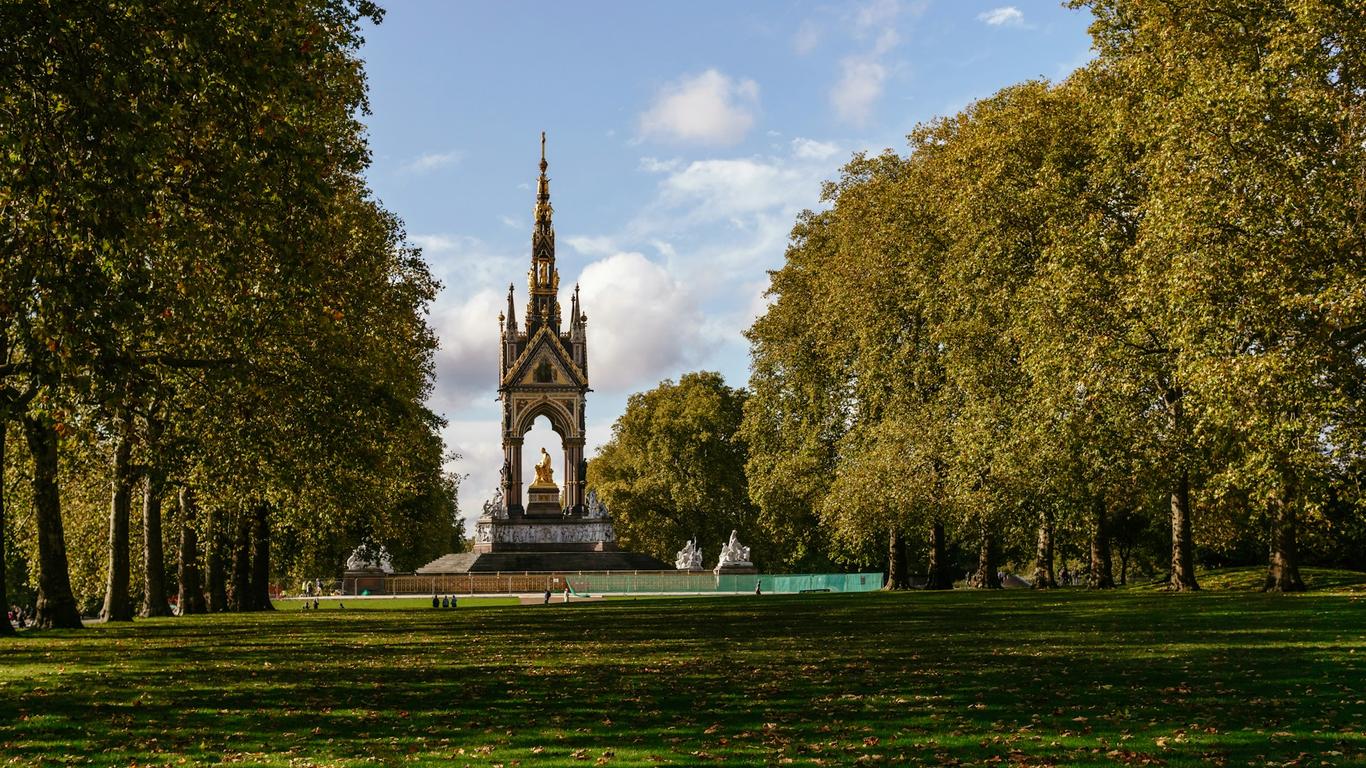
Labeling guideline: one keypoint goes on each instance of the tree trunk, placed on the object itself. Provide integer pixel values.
(1102, 567)
(1284, 572)
(986, 576)
(117, 605)
(6, 628)
(897, 575)
(154, 558)
(215, 556)
(56, 605)
(240, 598)
(1043, 553)
(939, 576)
(1183, 549)
(191, 595)
(260, 560)
(1124, 564)
(1183, 557)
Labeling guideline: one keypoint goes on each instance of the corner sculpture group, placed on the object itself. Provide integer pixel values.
(734, 557)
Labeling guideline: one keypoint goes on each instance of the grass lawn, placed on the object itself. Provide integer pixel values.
(1012, 678)
(388, 603)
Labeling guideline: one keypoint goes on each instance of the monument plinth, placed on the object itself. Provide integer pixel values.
(543, 372)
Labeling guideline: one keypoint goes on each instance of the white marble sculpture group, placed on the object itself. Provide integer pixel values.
(733, 554)
(368, 557)
(689, 558)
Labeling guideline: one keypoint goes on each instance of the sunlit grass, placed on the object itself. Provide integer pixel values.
(1253, 579)
(387, 603)
(1063, 678)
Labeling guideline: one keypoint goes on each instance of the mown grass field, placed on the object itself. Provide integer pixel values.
(388, 603)
(1010, 678)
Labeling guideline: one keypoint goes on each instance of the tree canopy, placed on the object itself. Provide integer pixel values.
(202, 300)
(1131, 300)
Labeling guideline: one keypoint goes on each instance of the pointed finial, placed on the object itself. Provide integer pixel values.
(543, 209)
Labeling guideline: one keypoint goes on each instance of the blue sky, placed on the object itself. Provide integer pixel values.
(683, 138)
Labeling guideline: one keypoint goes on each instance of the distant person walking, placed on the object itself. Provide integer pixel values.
(547, 596)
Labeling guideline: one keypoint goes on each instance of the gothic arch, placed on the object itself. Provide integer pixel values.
(560, 419)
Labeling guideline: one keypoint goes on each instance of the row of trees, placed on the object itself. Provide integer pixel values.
(202, 305)
(1133, 301)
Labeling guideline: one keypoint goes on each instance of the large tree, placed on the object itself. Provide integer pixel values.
(1253, 228)
(674, 468)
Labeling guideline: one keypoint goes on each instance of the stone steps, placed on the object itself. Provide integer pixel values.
(541, 562)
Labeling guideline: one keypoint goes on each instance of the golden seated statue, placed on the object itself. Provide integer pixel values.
(545, 475)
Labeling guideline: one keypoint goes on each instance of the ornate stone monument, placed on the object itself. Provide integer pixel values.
(543, 371)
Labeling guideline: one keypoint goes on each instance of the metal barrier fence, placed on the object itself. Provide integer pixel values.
(614, 582)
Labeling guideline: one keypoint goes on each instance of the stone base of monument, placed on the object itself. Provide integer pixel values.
(540, 535)
(361, 580)
(543, 502)
(565, 545)
(735, 569)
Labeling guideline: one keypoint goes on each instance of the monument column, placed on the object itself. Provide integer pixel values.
(512, 491)
(573, 479)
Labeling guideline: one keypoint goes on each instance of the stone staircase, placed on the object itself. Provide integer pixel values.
(458, 562)
(541, 562)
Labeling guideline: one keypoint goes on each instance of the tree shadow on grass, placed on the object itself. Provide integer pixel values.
(1067, 678)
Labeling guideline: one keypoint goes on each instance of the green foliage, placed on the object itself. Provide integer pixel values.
(192, 250)
(674, 469)
(1075, 302)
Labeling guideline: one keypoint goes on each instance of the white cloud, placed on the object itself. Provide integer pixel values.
(859, 88)
(751, 194)
(722, 189)
(806, 39)
(755, 198)
(642, 322)
(655, 165)
(432, 161)
(1005, 16)
(467, 361)
(467, 262)
(591, 246)
(876, 13)
(437, 244)
(479, 443)
(809, 149)
(710, 108)
(863, 76)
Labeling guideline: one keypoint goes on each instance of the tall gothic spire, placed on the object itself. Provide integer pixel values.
(543, 279)
(543, 209)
